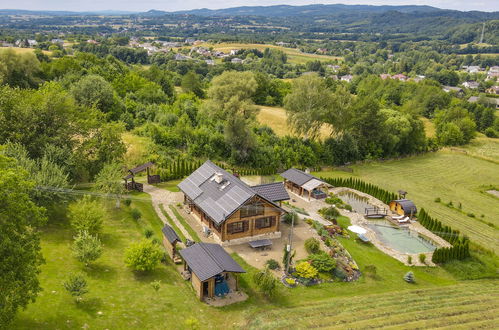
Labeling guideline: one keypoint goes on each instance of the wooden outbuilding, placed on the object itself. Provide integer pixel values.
(305, 184)
(151, 179)
(403, 207)
(170, 240)
(213, 271)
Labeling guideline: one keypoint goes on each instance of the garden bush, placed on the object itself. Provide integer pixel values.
(306, 270)
(128, 202)
(322, 262)
(148, 232)
(136, 214)
(143, 256)
(272, 264)
(409, 260)
(312, 245)
(422, 258)
(291, 217)
(409, 277)
(76, 285)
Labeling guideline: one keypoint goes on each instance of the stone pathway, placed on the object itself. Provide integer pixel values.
(166, 198)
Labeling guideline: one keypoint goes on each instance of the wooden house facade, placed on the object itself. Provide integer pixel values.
(230, 208)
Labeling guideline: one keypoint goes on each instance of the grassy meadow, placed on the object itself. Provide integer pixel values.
(452, 176)
(121, 298)
(295, 56)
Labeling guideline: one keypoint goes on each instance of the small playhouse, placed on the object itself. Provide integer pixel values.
(403, 207)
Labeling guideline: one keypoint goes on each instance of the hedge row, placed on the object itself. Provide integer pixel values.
(383, 195)
(436, 227)
(457, 252)
(181, 168)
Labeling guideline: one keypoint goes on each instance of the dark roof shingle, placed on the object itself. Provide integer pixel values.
(170, 234)
(297, 176)
(207, 260)
(273, 192)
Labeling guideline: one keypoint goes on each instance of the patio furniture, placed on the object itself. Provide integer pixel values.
(398, 217)
(261, 244)
(403, 220)
(363, 238)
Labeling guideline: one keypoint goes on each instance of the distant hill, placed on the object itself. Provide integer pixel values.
(64, 13)
(307, 10)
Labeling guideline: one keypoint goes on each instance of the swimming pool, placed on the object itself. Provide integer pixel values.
(358, 203)
(402, 240)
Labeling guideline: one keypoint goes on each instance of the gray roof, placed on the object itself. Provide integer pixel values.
(140, 168)
(217, 200)
(207, 260)
(407, 205)
(274, 192)
(170, 234)
(297, 176)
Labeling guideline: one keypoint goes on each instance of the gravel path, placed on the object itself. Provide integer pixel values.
(166, 198)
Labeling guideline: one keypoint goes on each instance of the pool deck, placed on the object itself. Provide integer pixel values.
(358, 219)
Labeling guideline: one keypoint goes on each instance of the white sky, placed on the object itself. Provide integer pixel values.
(172, 5)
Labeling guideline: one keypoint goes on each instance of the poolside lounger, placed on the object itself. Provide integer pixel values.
(403, 220)
(363, 238)
(398, 217)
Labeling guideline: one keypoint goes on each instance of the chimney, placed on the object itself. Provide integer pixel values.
(219, 177)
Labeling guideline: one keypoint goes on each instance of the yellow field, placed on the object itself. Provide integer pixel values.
(294, 55)
(429, 127)
(24, 50)
(276, 118)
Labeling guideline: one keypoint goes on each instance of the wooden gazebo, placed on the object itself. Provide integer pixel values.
(132, 185)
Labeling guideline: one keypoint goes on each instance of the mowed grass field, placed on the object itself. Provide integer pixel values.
(276, 118)
(295, 56)
(24, 50)
(451, 176)
(462, 306)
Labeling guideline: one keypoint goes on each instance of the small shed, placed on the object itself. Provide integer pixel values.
(170, 240)
(305, 184)
(403, 207)
(213, 271)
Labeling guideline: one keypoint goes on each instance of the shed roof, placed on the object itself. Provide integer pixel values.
(274, 192)
(140, 168)
(207, 260)
(217, 200)
(312, 184)
(407, 205)
(296, 176)
(170, 234)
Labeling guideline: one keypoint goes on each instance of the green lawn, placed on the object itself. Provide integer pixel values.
(121, 298)
(449, 175)
(184, 223)
(172, 224)
(169, 185)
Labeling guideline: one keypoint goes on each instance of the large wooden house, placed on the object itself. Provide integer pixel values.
(233, 211)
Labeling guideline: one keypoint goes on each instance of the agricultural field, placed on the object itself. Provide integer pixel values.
(276, 118)
(18, 50)
(461, 306)
(452, 176)
(294, 55)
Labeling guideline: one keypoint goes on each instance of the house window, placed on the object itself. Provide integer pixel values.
(237, 227)
(251, 210)
(264, 222)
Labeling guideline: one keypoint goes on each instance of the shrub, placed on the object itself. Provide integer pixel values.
(409, 277)
(491, 132)
(306, 270)
(266, 282)
(76, 285)
(340, 273)
(86, 248)
(409, 260)
(422, 258)
(148, 232)
(290, 281)
(143, 256)
(136, 214)
(471, 215)
(272, 264)
(371, 270)
(156, 285)
(330, 213)
(290, 217)
(312, 245)
(285, 255)
(128, 202)
(437, 200)
(86, 215)
(322, 262)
